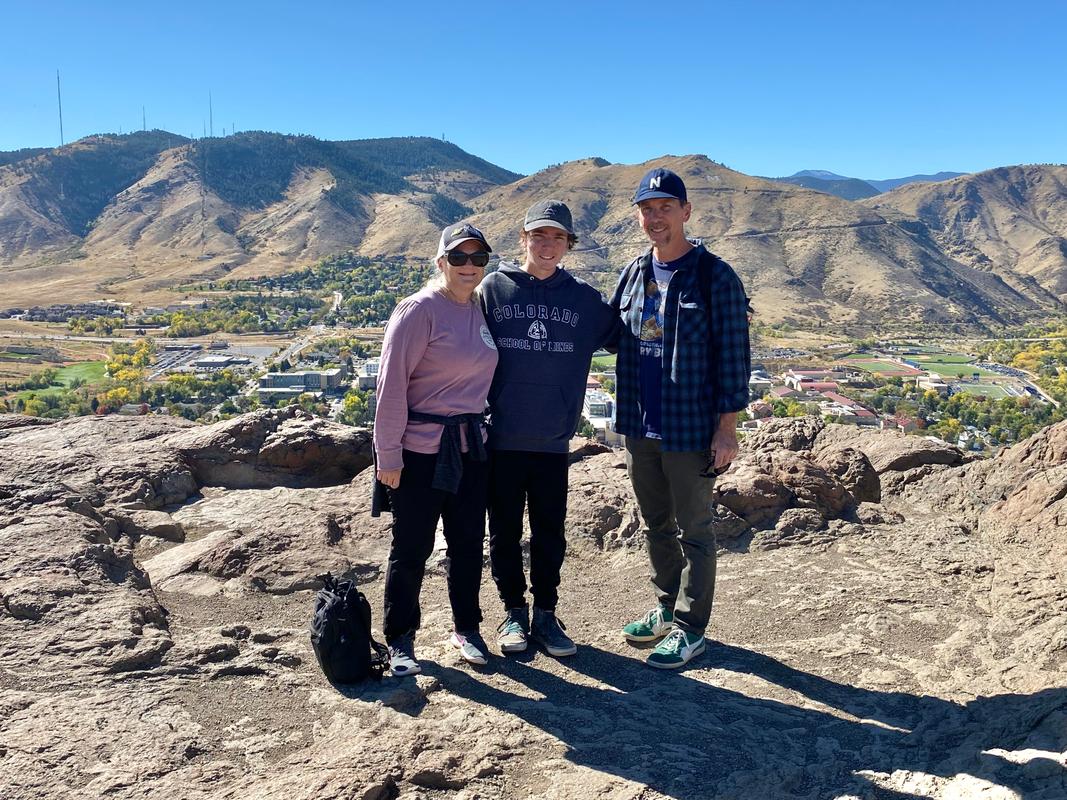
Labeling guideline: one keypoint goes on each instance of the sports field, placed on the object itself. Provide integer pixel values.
(942, 358)
(956, 370)
(950, 365)
(880, 366)
(990, 390)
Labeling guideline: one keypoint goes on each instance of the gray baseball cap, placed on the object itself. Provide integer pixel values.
(549, 214)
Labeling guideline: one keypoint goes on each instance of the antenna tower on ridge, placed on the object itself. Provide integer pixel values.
(210, 116)
(59, 94)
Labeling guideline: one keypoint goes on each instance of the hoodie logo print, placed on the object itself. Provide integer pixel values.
(537, 331)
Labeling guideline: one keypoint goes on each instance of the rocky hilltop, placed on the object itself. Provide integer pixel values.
(891, 622)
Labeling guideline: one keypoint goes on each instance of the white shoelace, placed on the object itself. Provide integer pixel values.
(672, 640)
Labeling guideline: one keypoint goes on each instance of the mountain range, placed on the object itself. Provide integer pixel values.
(133, 217)
(856, 188)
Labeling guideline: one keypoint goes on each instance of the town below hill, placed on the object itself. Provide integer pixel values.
(194, 363)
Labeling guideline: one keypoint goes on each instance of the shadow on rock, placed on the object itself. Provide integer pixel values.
(686, 738)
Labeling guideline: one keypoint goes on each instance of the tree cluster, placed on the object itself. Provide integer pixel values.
(244, 314)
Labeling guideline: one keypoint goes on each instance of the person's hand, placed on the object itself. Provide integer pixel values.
(724, 445)
(389, 477)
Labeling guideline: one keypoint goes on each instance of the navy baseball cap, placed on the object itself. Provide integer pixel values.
(456, 234)
(549, 214)
(660, 182)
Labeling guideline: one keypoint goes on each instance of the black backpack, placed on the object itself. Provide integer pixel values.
(341, 634)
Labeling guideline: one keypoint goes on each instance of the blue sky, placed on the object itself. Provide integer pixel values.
(862, 88)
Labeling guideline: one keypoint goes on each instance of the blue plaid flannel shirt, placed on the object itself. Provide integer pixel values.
(706, 358)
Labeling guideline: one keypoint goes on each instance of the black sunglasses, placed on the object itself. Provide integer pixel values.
(458, 258)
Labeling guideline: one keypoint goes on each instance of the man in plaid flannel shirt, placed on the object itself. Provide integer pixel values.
(681, 377)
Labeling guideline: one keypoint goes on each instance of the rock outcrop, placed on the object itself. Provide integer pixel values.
(890, 622)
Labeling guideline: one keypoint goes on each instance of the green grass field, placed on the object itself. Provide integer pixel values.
(990, 390)
(924, 348)
(942, 358)
(603, 364)
(89, 371)
(877, 365)
(957, 370)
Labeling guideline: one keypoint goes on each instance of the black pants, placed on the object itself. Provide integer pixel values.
(416, 509)
(539, 481)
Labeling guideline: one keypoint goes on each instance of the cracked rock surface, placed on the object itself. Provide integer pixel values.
(890, 622)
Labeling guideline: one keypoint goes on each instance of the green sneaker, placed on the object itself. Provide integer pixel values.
(656, 624)
(676, 650)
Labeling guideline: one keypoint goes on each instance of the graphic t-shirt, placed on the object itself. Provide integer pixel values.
(650, 346)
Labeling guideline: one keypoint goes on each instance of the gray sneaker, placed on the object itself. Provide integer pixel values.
(548, 631)
(514, 630)
(471, 646)
(402, 657)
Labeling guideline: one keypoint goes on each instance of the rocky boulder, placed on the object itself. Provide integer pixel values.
(104, 459)
(601, 507)
(287, 447)
(854, 470)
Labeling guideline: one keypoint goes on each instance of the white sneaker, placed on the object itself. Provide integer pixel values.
(471, 646)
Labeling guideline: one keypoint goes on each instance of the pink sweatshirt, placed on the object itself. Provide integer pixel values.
(438, 358)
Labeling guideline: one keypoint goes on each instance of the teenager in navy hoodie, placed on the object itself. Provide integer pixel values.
(547, 324)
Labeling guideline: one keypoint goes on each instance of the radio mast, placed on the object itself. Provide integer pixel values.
(59, 95)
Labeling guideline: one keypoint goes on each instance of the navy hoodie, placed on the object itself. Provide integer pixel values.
(546, 332)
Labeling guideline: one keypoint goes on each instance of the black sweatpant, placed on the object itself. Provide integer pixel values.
(538, 480)
(416, 509)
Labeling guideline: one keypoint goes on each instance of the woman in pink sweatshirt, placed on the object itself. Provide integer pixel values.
(437, 364)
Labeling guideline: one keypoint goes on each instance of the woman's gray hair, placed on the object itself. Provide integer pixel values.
(436, 281)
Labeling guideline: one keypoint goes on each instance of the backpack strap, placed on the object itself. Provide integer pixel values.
(379, 658)
(329, 582)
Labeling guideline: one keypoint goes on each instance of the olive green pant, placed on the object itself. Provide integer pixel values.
(676, 504)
